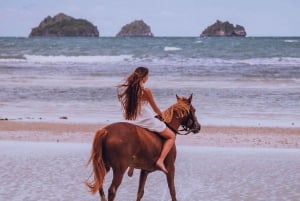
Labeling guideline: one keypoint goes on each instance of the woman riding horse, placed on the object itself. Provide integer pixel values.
(121, 145)
(137, 102)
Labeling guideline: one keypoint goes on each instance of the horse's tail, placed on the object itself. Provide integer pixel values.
(97, 161)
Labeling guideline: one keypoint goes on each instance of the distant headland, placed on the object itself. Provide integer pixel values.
(64, 25)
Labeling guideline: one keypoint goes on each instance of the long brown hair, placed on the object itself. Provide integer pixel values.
(130, 93)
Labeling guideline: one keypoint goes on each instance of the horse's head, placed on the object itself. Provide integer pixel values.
(182, 113)
(189, 121)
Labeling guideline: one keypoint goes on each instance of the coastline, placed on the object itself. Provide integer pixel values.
(216, 136)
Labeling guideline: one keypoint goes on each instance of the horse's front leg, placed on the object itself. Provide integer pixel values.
(171, 183)
(143, 177)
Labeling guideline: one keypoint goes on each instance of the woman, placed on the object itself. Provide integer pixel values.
(138, 105)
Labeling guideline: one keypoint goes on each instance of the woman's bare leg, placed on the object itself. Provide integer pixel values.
(170, 140)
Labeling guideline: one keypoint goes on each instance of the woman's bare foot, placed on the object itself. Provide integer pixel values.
(161, 165)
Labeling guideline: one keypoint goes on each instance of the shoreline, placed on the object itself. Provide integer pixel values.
(220, 136)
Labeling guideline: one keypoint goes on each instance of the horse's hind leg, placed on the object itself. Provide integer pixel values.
(117, 179)
(143, 177)
(101, 191)
(102, 195)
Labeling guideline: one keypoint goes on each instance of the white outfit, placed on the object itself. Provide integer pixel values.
(146, 119)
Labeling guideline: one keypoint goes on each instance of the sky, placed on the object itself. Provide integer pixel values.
(165, 17)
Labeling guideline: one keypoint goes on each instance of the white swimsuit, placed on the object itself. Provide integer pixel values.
(146, 119)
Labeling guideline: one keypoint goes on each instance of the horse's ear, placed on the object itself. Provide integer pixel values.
(177, 97)
(190, 98)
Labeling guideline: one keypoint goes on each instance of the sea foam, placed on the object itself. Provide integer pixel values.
(172, 48)
(66, 59)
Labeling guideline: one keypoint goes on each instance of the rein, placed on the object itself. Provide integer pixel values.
(178, 133)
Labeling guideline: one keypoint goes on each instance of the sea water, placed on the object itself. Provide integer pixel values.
(252, 81)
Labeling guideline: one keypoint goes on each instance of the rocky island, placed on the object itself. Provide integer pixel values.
(224, 29)
(137, 28)
(63, 25)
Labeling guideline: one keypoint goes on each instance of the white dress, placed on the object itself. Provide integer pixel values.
(146, 119)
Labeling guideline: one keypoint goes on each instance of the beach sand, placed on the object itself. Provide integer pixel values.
(220, 136)
(47, 161)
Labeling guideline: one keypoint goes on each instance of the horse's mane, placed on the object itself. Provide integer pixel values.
(180, 107)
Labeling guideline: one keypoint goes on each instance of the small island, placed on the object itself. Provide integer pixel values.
(224, 29)
(137, 28)
(63, 25)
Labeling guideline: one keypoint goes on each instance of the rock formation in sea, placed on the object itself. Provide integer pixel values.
(224, 29)
(137, 28)
(64, 25)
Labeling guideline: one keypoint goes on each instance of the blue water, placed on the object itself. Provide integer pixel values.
(253, 81)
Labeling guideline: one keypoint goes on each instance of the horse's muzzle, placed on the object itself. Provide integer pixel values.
(196, 128)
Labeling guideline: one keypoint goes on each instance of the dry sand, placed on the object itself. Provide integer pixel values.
(220, 136)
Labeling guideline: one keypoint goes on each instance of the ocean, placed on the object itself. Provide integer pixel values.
(252, 81)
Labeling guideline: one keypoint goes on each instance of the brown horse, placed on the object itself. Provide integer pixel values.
(122, 145)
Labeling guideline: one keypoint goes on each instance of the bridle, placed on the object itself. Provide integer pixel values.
(187, 124)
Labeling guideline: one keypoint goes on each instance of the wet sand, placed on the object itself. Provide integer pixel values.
(220, 136)
(53, 171)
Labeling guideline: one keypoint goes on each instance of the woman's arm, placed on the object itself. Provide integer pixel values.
(151, 100)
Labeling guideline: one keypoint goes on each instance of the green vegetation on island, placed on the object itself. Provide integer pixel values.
(63, 25)
(136, 28)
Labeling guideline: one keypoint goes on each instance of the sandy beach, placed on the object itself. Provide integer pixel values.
(220, 136)
(47, 161)
(50, 171)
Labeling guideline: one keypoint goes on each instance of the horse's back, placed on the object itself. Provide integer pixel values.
(132, 132)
